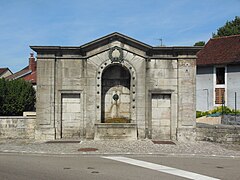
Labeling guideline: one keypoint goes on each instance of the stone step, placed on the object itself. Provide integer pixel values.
(64, 141)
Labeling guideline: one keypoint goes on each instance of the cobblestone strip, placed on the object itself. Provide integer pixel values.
(122, 147)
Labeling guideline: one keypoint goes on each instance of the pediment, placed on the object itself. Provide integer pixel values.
(115, 37)
(111, 38)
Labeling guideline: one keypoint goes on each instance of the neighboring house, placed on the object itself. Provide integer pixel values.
(28, 73)
(218, 73)
(4, 72)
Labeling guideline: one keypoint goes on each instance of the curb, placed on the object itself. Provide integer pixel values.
(41, 153)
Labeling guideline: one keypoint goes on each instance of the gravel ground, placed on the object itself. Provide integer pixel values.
(121, 147)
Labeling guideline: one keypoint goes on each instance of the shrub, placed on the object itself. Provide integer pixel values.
(217, 111)
(200, 113)
(16, 96)
(221, 109)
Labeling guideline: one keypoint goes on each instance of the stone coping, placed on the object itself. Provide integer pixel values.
(17, 117)
(218, 126)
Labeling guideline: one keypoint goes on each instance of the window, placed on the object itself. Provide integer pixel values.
(220, 75)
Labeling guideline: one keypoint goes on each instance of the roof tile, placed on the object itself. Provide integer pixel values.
(3, 70)
(223, 50)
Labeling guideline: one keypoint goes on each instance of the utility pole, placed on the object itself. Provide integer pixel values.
(235, 106)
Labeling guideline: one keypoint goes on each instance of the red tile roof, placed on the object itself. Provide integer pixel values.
(3, 70)
(31, 77)
(28, 73)
(223, 50)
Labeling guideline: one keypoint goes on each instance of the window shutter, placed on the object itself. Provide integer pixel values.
(219, 95)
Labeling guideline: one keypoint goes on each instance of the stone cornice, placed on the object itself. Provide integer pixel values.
(82, 50)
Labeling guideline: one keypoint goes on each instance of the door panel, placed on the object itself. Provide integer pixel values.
(71, 116)
(161, 116)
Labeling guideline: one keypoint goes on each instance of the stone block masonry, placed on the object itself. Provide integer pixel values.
(115, 77)
(218, 133)
(17, 127)
(21, 127)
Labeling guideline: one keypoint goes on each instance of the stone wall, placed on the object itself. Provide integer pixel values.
(209, 120)
(20, 127)
(218, 133)
(231, 119)
(17, 127)
(162, 99)
(186, 93)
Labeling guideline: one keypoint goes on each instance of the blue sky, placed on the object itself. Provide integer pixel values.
(76, 22)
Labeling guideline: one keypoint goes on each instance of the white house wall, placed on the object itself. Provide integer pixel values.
(233, 85)
(205, 88)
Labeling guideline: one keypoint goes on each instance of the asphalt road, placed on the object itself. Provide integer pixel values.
(66, 167)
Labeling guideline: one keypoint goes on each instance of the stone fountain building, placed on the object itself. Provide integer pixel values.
(81, 90)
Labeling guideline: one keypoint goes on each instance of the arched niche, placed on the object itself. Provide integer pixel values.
(115, 93)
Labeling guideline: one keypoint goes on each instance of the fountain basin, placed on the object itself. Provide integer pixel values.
(122, 131)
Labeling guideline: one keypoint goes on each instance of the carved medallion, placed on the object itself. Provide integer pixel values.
(116, 54)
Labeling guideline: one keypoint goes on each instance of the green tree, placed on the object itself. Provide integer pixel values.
(16, 96)
(200, 43)
(2, 93)
(230, 28)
